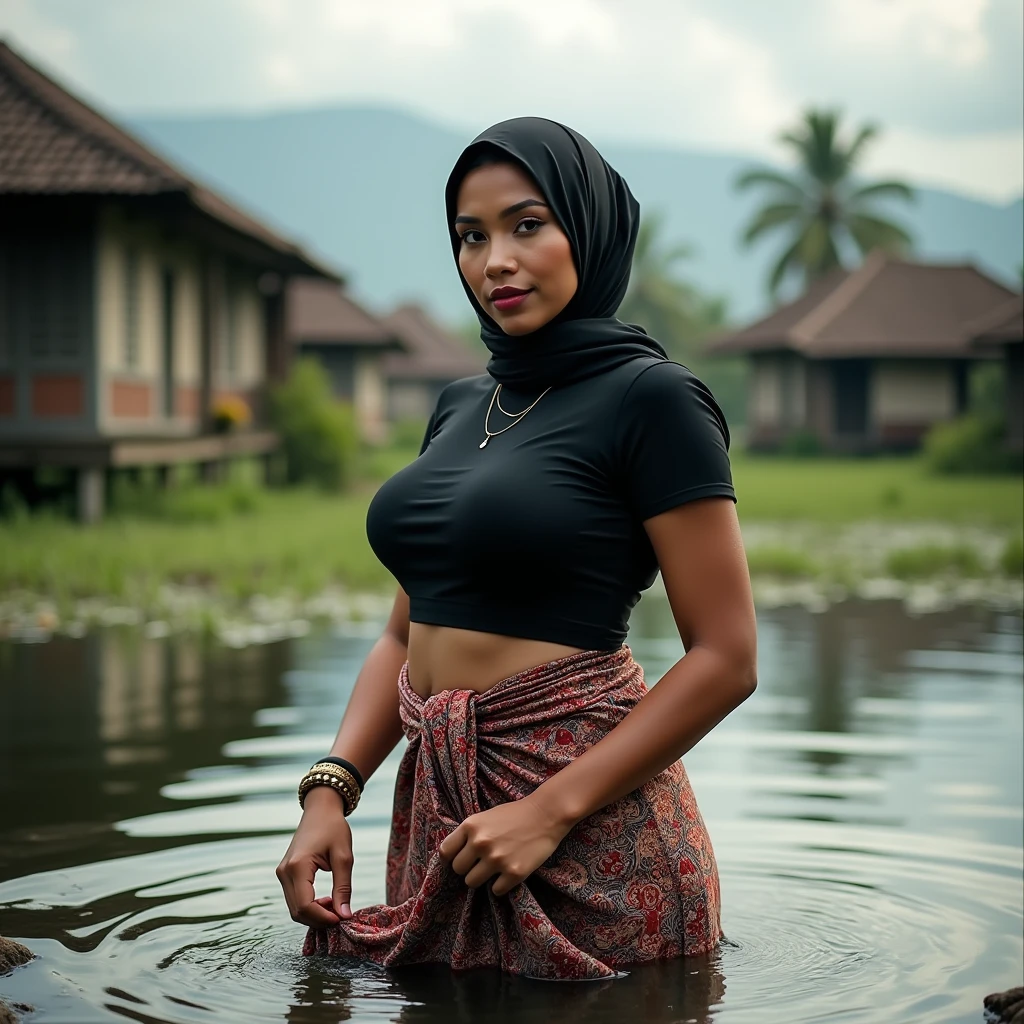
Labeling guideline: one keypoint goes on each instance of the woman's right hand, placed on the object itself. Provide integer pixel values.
(322, 842)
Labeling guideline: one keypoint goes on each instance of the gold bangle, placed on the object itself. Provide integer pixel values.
(339, 779)
(347, 798)
(322, 774)
(340, 773)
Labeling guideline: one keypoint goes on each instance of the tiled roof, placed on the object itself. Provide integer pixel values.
(430, 352)
(1002, 325)
(51, 143)
(319, 312)
(887, 307)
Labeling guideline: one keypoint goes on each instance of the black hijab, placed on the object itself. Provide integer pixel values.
(600, 217)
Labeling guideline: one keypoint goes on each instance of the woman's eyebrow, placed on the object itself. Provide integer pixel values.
(464, 218)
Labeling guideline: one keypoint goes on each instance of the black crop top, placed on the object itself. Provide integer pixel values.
(540, 534)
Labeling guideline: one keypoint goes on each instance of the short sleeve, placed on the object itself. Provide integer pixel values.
(672, 441)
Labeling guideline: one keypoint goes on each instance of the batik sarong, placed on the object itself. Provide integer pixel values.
(634, 882)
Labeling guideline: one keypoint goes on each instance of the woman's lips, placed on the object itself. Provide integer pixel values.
(510, 302)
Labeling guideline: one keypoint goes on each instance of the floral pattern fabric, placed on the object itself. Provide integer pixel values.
(634, 882)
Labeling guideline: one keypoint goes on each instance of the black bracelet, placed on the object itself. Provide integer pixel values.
(347, 765)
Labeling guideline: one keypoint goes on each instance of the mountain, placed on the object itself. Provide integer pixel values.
(364, 187)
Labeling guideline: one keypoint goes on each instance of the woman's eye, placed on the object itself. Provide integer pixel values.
(466, 234)
(530, 223)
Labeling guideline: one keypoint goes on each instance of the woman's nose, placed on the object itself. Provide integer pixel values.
(500, 260)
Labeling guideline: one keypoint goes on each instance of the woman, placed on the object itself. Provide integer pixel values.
(543, 822)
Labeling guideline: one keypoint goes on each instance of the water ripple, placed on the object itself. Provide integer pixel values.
(812, 913)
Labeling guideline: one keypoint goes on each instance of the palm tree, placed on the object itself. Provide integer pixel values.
(819, 205)
(667, 307)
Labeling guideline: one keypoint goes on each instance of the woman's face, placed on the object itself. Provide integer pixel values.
(513, 253)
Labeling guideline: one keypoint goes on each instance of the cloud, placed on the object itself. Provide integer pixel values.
(948, 30)
(942, 76)
(988, 165)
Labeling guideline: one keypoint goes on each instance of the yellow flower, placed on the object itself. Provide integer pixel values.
(230, 412)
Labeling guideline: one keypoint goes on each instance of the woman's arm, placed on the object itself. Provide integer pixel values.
(371, 727)
(700, 552)
(704, 568)
(369, 730)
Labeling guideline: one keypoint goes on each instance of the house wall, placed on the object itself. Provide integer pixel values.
(820, 400)
(907, 397)
(134, 395)
(46, 336)
(131, 332)
(778, 399)
(765, 408)
(370, 397)
(411, 399)
(239, 358)
(903, 399)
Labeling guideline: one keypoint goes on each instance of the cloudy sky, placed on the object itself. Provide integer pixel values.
(943, 77)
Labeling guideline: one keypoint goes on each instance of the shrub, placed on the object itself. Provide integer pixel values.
(802, 443)
(970, 444)
(783, 562)
(408, 433)
(934, 560)
(1011, 561)
(321, 443)
(185, 503)
(12, 504)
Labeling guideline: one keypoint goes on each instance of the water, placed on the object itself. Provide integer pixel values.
(865, 805)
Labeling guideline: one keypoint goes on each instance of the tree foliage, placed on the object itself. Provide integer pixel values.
(681, 315)
(667, 306)
(820, 209)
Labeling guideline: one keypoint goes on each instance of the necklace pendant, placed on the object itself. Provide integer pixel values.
(483, 443)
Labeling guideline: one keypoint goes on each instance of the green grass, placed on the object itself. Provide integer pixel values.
(928, 560)
(782, 562)
(833, 490)
(295, 540)
(241, 540)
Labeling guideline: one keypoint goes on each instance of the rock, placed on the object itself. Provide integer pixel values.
(9, 1014)
(1007, 1007)
(13, 954)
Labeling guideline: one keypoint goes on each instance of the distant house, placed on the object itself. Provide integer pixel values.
(430, 359)
(132, 299)
(1002, 330)
(867, 359)
(349, 342)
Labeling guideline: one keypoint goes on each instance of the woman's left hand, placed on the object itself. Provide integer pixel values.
(511, 841)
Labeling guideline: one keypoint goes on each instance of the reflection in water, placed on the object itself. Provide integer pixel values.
(431, 993)
(865, 807)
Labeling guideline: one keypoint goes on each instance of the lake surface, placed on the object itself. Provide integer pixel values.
(865, 806)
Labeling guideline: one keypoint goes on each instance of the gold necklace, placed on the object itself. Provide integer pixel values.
(501, 408)
(518, 416)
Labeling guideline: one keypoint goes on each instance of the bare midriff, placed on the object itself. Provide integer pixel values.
(444, 658)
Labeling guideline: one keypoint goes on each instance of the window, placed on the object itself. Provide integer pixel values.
(48, 298)
(167, 340)
(230, 332)
(131, 308)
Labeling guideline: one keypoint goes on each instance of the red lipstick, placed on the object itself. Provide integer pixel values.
(508, 298)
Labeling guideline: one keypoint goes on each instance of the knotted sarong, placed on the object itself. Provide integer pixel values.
(633, 882)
